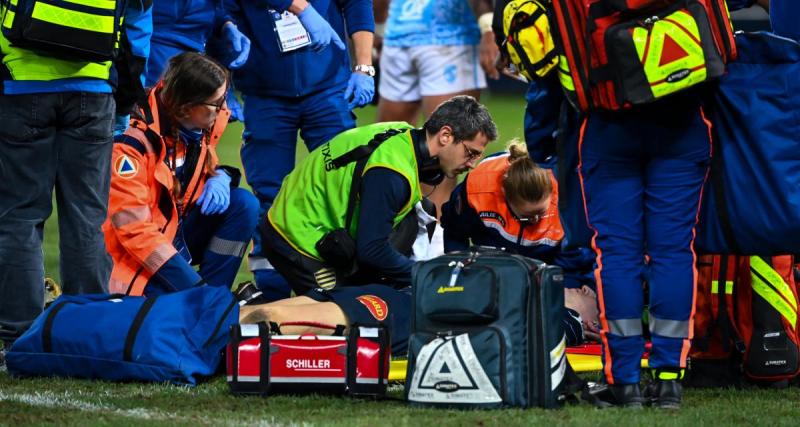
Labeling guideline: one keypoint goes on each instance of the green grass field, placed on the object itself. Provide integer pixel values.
(73, 402)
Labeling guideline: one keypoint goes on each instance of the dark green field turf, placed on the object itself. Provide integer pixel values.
(70, 402)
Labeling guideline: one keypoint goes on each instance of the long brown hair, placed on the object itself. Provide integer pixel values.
(525, 181)
(190, 79)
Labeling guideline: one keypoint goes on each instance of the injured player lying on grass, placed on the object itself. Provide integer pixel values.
(380, 303)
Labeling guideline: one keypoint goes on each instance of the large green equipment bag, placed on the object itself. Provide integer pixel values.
(617, 54)
(528, 41)
(487, 332)
(83, 30)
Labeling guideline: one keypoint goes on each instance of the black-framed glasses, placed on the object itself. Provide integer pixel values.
(217, 105)
(471, 153)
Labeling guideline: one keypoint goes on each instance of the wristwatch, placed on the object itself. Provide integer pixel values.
(366, 69)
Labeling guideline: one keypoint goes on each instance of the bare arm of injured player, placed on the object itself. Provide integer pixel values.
(295, 309)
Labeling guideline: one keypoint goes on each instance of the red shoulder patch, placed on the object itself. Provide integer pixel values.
(376, 306)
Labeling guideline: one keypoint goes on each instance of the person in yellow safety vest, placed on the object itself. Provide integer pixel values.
(314, 198)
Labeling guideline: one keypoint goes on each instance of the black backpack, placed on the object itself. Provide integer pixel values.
(87, 30)
(487, 332)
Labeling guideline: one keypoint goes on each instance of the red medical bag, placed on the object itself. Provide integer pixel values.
(261, 361)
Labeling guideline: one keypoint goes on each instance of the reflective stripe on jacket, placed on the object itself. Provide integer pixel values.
(142, 212)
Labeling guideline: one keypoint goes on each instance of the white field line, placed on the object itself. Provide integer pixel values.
(67, 401)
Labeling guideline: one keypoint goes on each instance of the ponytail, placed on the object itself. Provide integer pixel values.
(525, 181)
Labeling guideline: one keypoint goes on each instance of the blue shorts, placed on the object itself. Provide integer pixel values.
(372, 304)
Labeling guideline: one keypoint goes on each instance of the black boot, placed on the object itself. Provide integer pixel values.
(665, 390)
(605, 395)
(247, 293)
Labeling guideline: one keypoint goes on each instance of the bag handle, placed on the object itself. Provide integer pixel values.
(233, 346)
(136, 325)
(213, 336)
(384, 346)
(338, 330)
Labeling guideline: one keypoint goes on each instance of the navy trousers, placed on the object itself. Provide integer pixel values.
(268, 155)
(217, 243)
(642, 175)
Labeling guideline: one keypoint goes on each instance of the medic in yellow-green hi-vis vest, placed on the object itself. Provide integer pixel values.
(313, 198)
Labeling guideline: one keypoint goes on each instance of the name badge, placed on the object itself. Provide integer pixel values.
(291, 33)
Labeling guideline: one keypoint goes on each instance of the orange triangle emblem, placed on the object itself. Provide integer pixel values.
(671, 51)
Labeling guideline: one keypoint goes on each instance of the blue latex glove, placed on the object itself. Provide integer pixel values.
(121, 123)
(238, 43)
(319, 29)
(235, 107)
(360, 90)
(216, 194)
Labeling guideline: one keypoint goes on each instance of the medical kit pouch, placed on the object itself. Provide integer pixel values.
(78, 30)
(487, 332)
(528, 41)
(260, 360)
(175, 337)
(745, 321)
(617, 54)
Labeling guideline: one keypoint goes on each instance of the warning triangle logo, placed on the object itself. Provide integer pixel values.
(125, 167)
(448, 370)
(671, 51)
(439, 372)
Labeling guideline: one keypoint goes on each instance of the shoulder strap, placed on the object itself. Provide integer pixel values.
(360, 154)
(364, 151)
(132, 142)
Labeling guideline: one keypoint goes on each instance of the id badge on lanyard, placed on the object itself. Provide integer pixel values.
(290, 32)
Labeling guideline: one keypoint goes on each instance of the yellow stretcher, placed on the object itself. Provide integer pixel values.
(579, 362)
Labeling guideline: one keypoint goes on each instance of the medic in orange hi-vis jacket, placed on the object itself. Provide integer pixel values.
(171, 205)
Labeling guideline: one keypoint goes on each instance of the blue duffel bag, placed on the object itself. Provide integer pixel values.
(175, 337)
(752, 202)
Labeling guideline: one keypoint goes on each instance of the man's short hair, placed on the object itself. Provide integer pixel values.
(465, 115)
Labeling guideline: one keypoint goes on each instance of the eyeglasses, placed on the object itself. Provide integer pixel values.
(534, 218)
(471, 153)
(528, 219)
(217, 105)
